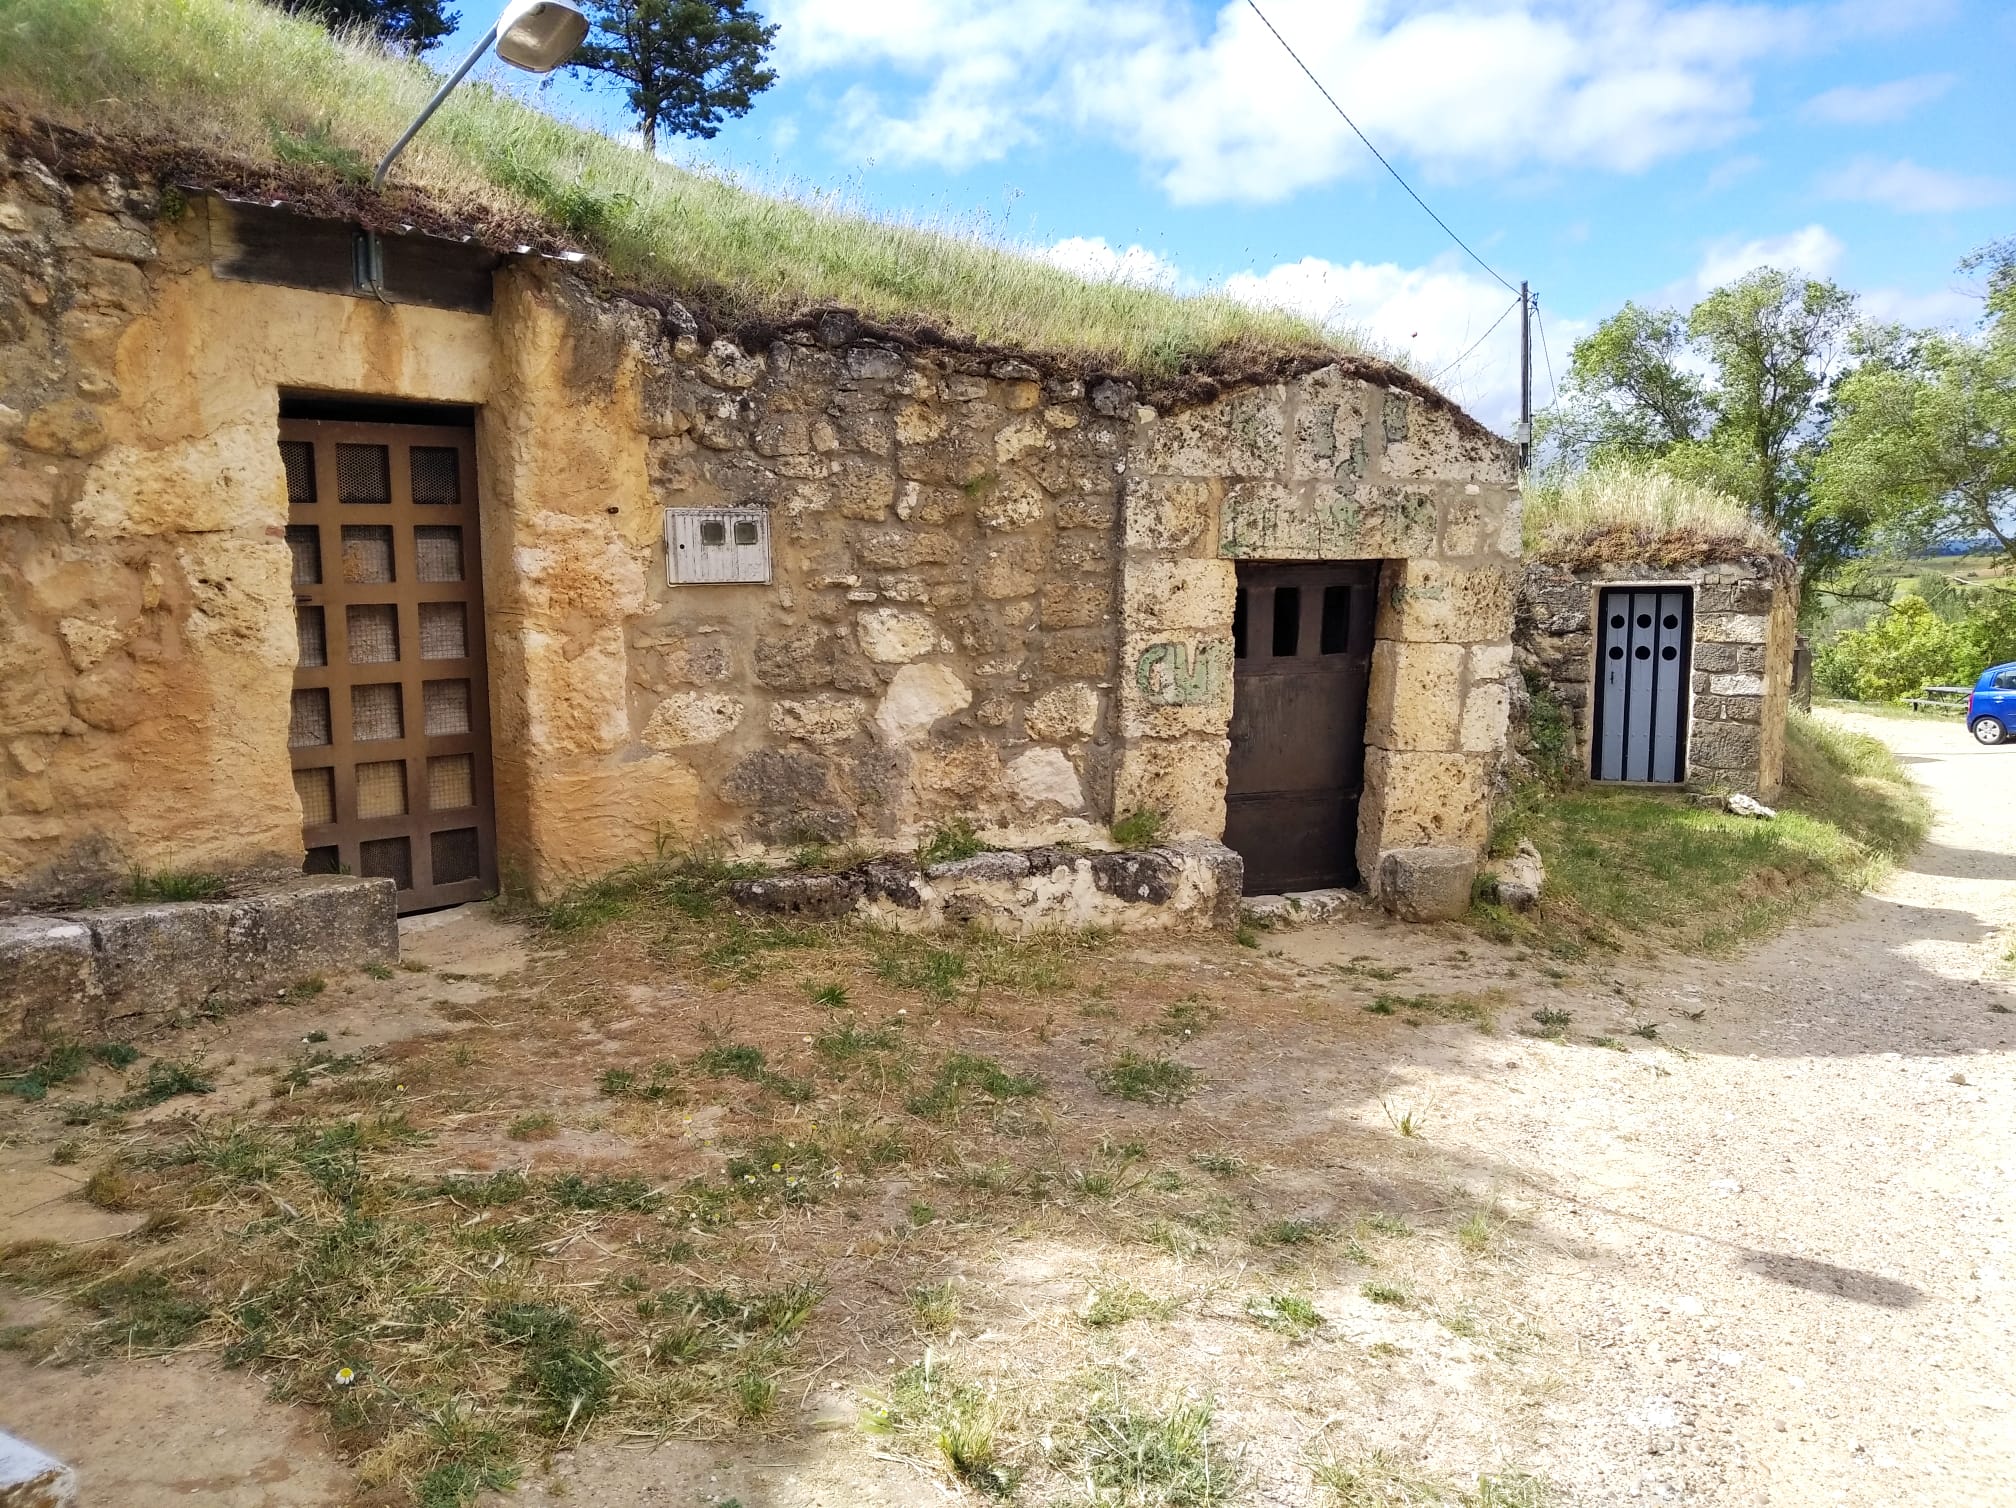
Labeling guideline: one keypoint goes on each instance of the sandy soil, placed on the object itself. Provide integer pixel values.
(1757, 1257)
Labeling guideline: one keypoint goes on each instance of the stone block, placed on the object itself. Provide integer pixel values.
(30, 1479)
(1715, 658)
(817, 720)
(692, 717)
(814, 897)
(1436, 445)
(1423, 800)
(1062, 714)
(1428, 600)
(980, 867)
(1076, 604)
(1182, 778)
(48, 982)
(918, 697)
(1430, 884)
(1012, 568)
(1179, 596)
(1238, 436)
(1731, 628)
(1725, 746)
(1077, 653)
(1487, 713)
(1085, 510)
(1167, 513)
(1171, 687)
(1735, 684)
(1042, 779)
(1015, 500)
(891, 636)
(1416, 695)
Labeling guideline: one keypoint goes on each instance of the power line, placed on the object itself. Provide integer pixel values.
(1553, 389)
(1376, 152)
(1476, 343)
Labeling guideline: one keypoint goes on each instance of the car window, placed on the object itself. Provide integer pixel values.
(2006, 681)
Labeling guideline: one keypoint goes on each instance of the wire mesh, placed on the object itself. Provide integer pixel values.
(437, 549)
(324, 860)
(387, 859)
(304, 542)
(451, 782)
(437, 474)
(298, 456)
(453, 855)
(311, 638)
(308, 727)
(444, 631)
(375, 713)
(374, 633)
(446, 706)
(381, 789)
(317, 790)
(367, 554)
(363, 474)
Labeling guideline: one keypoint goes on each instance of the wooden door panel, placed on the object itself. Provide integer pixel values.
(391, 735)
(1302, 656)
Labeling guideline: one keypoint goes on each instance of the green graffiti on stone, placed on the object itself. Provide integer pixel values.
(1183, 675)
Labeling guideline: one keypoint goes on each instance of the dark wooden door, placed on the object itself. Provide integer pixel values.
(390, 735)
(1301, 658)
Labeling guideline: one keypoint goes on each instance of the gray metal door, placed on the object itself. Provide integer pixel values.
(1642, 660)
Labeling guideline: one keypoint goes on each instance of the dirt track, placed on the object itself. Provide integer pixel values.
(1761, 1259)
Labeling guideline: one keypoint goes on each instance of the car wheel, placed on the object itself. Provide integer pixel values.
(1988, 731)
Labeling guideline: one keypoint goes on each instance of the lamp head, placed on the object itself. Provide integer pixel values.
(539, 35)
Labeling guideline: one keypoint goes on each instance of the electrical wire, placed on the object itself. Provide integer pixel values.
(1476, 343)
(1375, 151)
(1553, 389)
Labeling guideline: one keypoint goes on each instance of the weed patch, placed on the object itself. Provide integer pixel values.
(964, 1081)
(1146, 1081)
(1285, 1314)
(1149, 1455)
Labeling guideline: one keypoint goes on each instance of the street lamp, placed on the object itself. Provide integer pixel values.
(535, 35)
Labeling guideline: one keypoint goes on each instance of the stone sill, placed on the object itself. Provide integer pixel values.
(76, 975)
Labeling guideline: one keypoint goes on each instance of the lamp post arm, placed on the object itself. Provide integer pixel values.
(475, 56)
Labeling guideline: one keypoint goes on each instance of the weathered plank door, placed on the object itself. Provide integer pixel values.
(1642, 660)
(1301, 659)
(390, 736)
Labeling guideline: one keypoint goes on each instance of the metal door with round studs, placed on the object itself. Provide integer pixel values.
(1643, 654)
(1301, 661)
(390, 737)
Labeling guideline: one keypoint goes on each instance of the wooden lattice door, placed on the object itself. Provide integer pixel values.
(390, 735)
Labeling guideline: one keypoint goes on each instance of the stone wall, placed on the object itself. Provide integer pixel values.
(1745, 623)
(1000, 594)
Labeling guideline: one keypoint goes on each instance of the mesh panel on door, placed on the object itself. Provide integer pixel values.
(447, 708)
(437, 549)
(451, 782)
(444, 631)
(381, 789)
(386, 859)
(324, 860)
(363, 474)
(311, 637)
(375, 713)
(317, 790)
(437, 474)
(309, 725)
(298, 456)
(454, 855)
(304, 542)
(367, 554)
(374, 634)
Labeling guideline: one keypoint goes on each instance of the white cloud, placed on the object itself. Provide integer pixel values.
(1910, 189)
(1875, 104)
(1091, 257)
(1814, 251)
(1223, 114)
(1948, 307)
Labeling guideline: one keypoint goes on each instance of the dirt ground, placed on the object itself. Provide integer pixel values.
(1733, 1232)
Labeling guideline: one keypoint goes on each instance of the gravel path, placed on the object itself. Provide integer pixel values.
(1784, 1256)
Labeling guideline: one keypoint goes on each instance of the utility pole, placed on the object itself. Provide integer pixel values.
(1525, 377)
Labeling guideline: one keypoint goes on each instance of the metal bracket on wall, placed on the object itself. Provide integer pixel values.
(370, 265)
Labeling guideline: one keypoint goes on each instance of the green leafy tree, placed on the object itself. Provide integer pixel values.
(1925, 429)
(413, 25)
(1770, 344)
(686, 65)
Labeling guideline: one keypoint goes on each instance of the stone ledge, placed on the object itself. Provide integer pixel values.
(75, 974)
(30, 1479)
(1194, 883)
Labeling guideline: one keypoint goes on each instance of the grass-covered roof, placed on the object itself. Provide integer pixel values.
(235, 94)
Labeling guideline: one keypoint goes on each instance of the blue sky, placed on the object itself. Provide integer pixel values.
(1643, 149)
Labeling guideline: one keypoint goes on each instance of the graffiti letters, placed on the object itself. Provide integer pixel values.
(1183, 675)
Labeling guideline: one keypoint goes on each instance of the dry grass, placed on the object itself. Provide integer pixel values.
(238, 79)
(1636, 513)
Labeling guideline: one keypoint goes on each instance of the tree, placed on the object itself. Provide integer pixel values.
(687, 64)
(1924, 431)
(410, 25)
(1734, 396)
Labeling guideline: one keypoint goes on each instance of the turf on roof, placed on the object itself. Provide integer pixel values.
(233, 86)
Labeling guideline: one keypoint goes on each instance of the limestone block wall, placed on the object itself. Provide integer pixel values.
(1324, 467)
(1000, 594)
(1745, 628)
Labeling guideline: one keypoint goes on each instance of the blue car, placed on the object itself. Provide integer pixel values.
(1991, 710)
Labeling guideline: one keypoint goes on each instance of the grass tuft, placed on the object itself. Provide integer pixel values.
(1146, 1081)
(1142, 1455)
(1142, 828)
